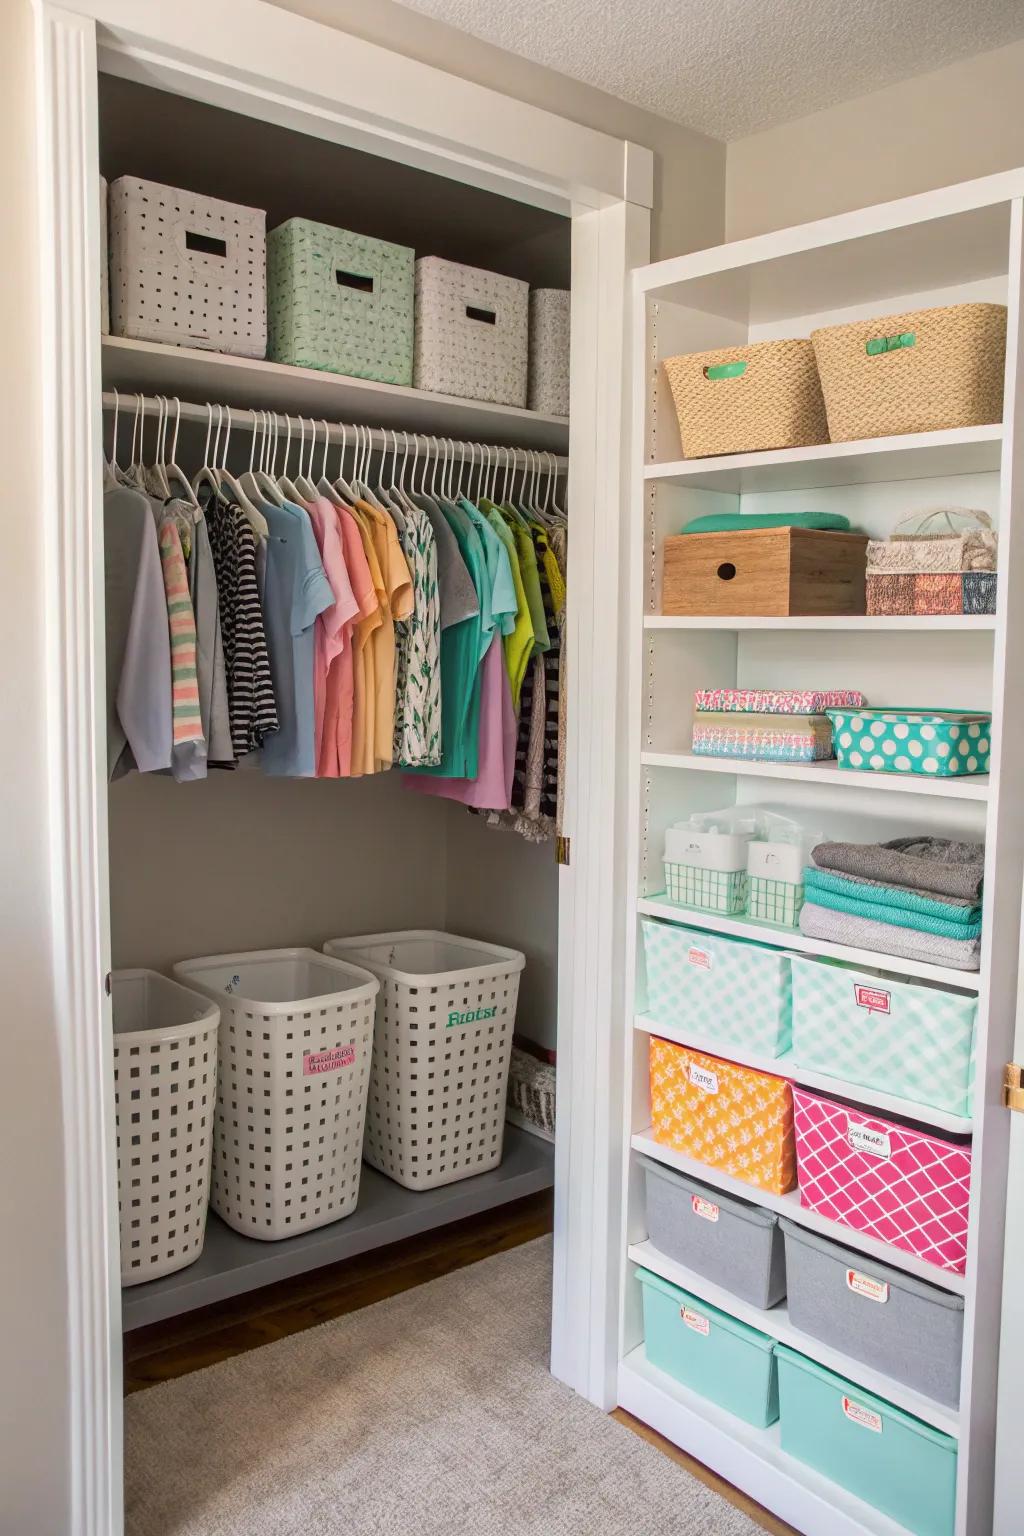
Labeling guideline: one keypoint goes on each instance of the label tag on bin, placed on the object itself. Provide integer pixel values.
(866, 1285)
(865, 1417)
(705, 1208)
(318, 1062)
(695, 1320)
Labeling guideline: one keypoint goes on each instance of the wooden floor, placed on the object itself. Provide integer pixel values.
(167, 1350)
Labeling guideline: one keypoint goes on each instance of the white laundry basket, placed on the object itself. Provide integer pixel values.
(441, 1051)
(165, 1090)
(295, 1043)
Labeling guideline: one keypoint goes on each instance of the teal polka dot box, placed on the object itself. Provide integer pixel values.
(941, 742)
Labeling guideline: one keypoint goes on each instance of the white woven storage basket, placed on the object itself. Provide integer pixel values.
(339, 301)
(549, 351)
(471, 332)
(295, 1045)
(186, 269)
(441, 1052)
(165, 1090)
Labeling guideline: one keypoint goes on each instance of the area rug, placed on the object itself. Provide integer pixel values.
(429, 1414)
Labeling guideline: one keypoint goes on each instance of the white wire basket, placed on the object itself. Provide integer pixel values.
(294, 1064)
(165, 1091)
(445, 1019)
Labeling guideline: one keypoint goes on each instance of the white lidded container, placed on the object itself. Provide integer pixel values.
(294, 1065)
(445, 1019)
(165, 1092)
(186, 269)
(471, 332)
(706, 860)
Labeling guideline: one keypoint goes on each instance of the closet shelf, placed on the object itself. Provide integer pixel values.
(153, 368)
(910, 456)
(747, 1457)
(975, 787)
(789, 1206)
(776, 1323)
(231, 1264)
(784, 1066)
(970, 623)
(793, 939)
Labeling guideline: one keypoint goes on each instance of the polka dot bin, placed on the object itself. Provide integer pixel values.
(944, 743)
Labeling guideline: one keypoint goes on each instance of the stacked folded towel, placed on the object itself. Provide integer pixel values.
(919, 898)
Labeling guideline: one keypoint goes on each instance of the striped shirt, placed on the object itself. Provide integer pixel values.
(251, 703)
(188, 751)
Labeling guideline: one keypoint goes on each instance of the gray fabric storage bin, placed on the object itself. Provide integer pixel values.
(910, 1330)
(736, 1244)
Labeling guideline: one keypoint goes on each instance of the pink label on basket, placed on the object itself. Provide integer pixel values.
(318, 1062)
(700, 957)
(695, 1320)
(705, 1208)
(866, 1285)
(862, 1416)
(700, 1077)
(873, 999)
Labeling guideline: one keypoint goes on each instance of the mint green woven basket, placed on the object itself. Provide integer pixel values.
(905, 1038)
(709, 1351)
(728, 991)
(340, 302)
(942, 743)
(896, 1463)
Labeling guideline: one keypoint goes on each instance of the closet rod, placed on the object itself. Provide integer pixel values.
(381, 438)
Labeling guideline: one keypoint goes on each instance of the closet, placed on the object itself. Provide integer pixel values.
(245, 860)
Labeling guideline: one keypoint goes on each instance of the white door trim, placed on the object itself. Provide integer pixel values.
(253, 56)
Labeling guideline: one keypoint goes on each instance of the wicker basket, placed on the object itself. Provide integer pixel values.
(742, 399)
(923, 371)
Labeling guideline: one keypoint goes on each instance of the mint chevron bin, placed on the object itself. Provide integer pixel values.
(709, 1351)
(730, 991)
(914, 1039)
(898, 1464)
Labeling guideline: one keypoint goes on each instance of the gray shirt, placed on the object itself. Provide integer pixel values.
(139, 710)
(457, 593)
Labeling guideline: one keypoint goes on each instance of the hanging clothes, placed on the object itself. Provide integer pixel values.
(188, 743)
(334, 622)
(252, 705)
(396, 602)
(417, 740)
(296, 591)
(138, 651)
(211, 675)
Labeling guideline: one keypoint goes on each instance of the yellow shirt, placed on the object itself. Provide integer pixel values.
(396, 602)
(363, 680)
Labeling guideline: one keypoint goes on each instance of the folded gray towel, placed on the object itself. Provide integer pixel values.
(956, 905)
(906, 943)
(932, 866)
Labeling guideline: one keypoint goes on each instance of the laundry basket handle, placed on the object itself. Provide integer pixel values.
(726, 370)
(924, 519)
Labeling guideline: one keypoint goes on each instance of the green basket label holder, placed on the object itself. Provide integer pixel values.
(726, 371)
(879, 344)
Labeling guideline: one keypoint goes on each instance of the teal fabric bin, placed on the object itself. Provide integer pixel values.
(339, 301)
(730, 991)
(914, 1039)
(886, 1457)
(709, 1351)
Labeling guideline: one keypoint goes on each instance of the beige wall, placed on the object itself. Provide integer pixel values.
(33, 1300)
(689, 168)
(963, 121)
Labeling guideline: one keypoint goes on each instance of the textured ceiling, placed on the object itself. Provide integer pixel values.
(733, 67)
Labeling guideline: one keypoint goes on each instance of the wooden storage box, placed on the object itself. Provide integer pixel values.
(764, 572)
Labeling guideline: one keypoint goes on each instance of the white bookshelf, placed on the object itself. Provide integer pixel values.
(950, 246)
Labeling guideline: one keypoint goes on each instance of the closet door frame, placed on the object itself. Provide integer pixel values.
(252, 57)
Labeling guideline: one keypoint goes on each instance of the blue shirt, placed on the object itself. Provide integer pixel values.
(295, 590)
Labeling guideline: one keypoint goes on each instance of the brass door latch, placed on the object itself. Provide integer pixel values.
(1013, 1086)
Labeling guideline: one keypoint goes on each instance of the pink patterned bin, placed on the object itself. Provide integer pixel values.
(900, 1185)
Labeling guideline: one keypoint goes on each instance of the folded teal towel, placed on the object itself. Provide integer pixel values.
(729, 522)
(896, 917)
(822, 880)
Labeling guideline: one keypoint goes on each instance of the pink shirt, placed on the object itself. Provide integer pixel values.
(491, 790)
(330, 637)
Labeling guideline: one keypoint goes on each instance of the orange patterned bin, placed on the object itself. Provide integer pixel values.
(726, 1116)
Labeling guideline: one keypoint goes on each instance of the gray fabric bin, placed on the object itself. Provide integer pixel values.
(736, 1244)
(889, 1320)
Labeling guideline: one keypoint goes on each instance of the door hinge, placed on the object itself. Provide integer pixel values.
(107, 984)
(562, 849)
(1013, 1086)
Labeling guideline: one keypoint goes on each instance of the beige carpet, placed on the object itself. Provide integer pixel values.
(430, 1414)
